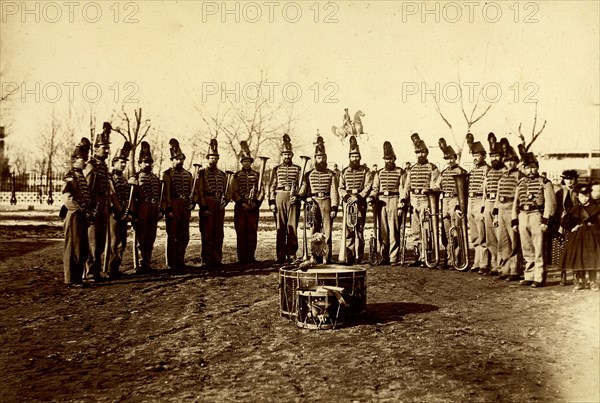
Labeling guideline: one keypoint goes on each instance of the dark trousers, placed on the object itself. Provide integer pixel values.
(76, 248)
(246, 228)
(355, 236)
(211, 228)
(178, 233)
(97, 240)
(287, 225)
(118, 243)
(145, 229)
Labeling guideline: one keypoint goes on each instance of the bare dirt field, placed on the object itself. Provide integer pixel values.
(428, 335)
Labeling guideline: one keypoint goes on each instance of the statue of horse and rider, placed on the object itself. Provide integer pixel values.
(349, 127)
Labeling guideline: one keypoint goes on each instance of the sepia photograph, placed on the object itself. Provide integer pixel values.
(300, 201)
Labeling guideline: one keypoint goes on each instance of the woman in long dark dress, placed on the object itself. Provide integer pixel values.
(582, 251)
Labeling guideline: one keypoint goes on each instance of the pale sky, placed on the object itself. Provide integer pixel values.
(378, 57)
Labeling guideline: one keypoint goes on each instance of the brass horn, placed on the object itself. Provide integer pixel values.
(430, 225)
(308, 215)
(458, 244)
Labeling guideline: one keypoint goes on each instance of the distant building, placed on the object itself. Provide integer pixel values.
(587, 164)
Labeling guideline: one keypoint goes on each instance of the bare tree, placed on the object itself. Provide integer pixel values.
(534, 134)
(19, 158)
(49, 145)
(133, 130)
(157, 138)
(259, 121)
(7, 96)
(470, 118)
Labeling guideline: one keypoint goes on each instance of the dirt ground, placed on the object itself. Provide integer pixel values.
(428, 335)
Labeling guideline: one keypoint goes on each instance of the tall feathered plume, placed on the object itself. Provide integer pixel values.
(126, 149)
(470, 141)
(442, 144)
(174, 143)
(286, 138)
(522, 151)
(353, 142)
(244, 147)
(84, 145)
(144, 147)
(415, 139)
(504, 145)
(492, 142)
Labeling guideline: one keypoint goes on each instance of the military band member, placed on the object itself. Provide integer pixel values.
(213, 195)
(508, 258)
(96, 174)
(118, 218)
(533, 205)
(475, 209)
(145, 208)
(284, 203)
(319, 188)
(354, 187)
(247, 198)
(451, 212)
(490, 193)
(387, 185)
(566, 199)
(177, 206)
(77, 201)
(421, 177)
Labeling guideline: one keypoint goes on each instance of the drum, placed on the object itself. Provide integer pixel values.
(352, 280)
(318, 308)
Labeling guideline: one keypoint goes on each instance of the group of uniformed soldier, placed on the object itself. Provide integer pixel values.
(504, 204)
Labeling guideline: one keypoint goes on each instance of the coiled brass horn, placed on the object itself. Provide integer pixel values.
(458, 244)
(430, 225)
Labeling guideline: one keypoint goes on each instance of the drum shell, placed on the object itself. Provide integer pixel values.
(323, 303)
(352, 280)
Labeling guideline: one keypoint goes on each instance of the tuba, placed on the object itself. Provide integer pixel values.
(430, 226)
(458, 245)
(349, 220)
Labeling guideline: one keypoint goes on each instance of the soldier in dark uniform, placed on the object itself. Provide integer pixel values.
(451, 212)
(212, 197)
(337, 174)
(177, 205)
(247, 198)
(118, 217)
(490, 193)
(77, 201)
(534, 204)
(146, 207)
(319, 188)
(96, 174)
(387, 186)
(355, 186)
(476, 221)
(566, 199)
(284, 203)
(508, 259)
(421, 177)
